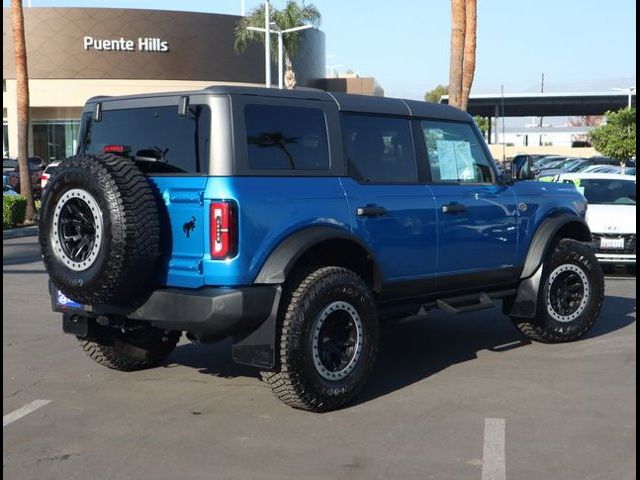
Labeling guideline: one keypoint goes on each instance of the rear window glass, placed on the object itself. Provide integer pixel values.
(286, 138)
(160, 139)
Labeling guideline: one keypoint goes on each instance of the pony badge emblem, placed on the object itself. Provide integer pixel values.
(189, 226)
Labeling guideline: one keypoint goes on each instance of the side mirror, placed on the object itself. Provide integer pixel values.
(522, 169)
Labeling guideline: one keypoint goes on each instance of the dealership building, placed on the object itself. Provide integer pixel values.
(76, 53)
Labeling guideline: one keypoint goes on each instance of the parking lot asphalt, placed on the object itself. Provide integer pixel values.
(452, 397)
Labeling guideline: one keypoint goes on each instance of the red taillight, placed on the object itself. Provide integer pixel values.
(223, 230)
(117, 149)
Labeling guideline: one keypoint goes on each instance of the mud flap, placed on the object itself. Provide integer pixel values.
(525, 304)
(77, 325)
(257, 349)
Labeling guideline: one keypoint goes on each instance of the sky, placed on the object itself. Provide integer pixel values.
(579, 45)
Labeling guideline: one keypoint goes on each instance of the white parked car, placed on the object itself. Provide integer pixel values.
(46, 175)
(611, 214)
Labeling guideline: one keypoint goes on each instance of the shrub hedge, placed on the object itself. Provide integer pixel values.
(14, 208)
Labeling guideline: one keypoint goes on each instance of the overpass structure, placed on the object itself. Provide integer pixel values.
(545, 104)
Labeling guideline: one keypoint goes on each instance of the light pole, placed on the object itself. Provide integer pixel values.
(629, 90)
(272, 27)
(267, 46)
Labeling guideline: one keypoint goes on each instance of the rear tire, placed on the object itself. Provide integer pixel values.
(328, 340)
(570, 297)
(134, 350)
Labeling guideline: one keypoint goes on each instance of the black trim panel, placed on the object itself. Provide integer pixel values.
(432, 288)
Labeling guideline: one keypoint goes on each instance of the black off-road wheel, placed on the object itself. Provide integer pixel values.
(133, 350)
(100, 229)
(570, 297)
(328, 340)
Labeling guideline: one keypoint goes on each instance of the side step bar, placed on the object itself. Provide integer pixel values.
(466, 303)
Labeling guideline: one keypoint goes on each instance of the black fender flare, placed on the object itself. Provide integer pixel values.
(282, 259)
(525, 303)
(258, 348)
(546, 233)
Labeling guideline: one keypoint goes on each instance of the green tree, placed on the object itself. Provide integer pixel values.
(292, 15)
(483, 124)
(616, 138)
(436, 94)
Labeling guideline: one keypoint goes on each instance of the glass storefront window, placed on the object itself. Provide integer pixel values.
(5, 140)
(55, 139)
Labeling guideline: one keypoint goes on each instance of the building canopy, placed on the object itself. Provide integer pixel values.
(546, 104)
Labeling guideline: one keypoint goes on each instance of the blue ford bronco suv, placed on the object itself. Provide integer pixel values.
(294, 222)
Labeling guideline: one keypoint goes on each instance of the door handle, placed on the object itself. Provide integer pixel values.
(373, 211)
(453, 208)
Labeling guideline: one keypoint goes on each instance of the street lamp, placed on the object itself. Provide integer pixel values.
(272, 27)
(267, 45)
(629, 90)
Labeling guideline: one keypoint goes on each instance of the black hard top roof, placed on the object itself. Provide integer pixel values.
(345, 102)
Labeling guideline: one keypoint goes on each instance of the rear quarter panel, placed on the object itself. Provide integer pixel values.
(269, 210)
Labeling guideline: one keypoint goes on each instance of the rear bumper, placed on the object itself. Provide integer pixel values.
(211, 310)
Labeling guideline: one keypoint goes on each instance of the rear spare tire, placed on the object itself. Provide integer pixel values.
(100, 229)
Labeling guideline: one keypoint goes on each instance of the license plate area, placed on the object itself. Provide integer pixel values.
(64, 302)
(612, 243)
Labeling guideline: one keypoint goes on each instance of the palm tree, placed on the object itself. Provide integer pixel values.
(469, 63)
(292, 15)
(456, 61)
(22, 87)
(462, 66)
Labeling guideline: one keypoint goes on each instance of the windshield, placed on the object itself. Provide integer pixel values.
(608, 191)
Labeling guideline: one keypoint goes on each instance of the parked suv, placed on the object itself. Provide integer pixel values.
(294, 222)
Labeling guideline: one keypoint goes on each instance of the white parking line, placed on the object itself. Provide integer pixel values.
(493, 456)
(22, 411)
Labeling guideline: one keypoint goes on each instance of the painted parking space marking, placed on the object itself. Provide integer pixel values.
(23, 411)
(493, 455)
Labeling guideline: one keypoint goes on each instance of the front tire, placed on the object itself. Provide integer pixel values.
(570, 297)
(328, 341)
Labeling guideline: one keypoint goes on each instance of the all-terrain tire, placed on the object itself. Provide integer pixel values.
(548, 326)
(298, 381)
(130, 351)
(121, 208)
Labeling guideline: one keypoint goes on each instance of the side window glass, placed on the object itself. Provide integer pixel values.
(286, 138)
(379, 149)
(455, 154)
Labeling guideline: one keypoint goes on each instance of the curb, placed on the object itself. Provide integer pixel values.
(20, 232)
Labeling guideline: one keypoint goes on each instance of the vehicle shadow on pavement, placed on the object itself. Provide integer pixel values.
(211, 359)
(415, 348)
(23, 272)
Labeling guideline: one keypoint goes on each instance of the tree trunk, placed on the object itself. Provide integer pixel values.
(469, 63)
(289, 75)
(22, 90)
(458, 26)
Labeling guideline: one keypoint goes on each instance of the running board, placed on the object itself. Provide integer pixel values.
(466, 303)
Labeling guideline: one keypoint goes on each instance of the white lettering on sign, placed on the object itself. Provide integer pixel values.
(143, 44)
